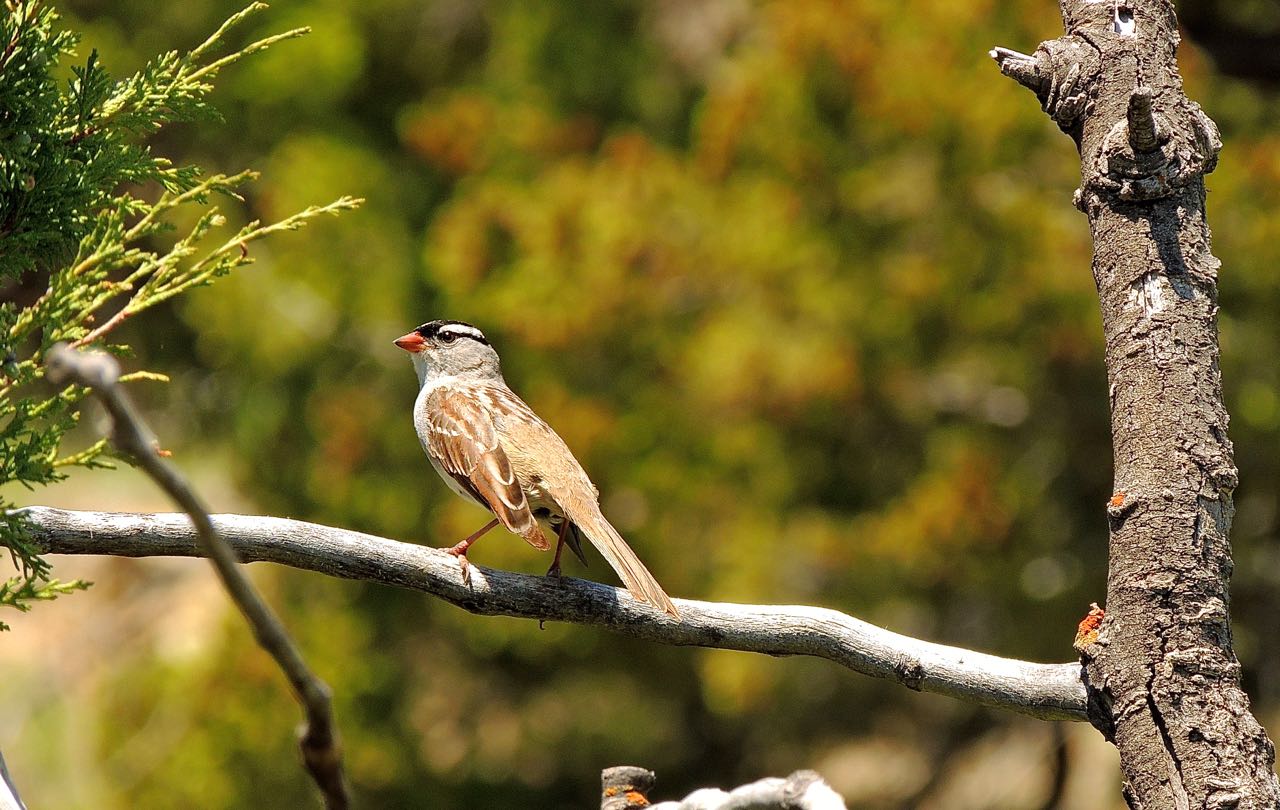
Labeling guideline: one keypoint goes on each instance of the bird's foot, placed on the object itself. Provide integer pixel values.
(562, 531)
(460, 551)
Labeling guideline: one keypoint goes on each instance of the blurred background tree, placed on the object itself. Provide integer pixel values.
(800, 283)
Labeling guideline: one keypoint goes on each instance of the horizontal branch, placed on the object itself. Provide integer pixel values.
(1046, 691)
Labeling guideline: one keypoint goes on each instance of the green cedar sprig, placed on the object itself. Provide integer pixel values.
(73, 163)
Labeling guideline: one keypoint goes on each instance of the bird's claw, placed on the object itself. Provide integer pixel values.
(554, 570)
(463, 563)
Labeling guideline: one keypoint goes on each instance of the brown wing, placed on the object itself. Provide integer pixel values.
(460, 437)
(568, 485)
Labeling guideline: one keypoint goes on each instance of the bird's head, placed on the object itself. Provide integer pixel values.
(450, 349)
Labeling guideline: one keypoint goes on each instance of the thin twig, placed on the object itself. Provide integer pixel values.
(1046, 691)
(1001, 54)
(321, 750)
(215, 38)
(9, 799)
(110, 324)
(1023, 68)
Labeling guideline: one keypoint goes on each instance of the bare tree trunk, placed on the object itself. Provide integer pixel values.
(1163, 678)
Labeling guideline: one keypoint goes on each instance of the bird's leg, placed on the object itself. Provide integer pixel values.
(460, 550)
(561, 533)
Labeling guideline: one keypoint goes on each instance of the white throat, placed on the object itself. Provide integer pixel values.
(420, 367)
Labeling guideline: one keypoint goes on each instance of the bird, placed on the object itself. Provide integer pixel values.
(491, 448)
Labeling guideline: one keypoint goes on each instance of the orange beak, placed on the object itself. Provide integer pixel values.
(412, 342)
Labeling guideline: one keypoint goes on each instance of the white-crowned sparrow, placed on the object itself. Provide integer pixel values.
(490, 447)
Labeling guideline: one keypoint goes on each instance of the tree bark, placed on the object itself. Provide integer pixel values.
(1163, 678)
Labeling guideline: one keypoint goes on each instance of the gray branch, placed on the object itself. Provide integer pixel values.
(802, 790)
(9, 799)
(321, 751)
(1024, 68)
(627, 787)
(1047, 691)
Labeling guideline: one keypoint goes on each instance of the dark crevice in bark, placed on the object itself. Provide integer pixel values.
(1163, 728)
(1098, 707)
(1157, 717)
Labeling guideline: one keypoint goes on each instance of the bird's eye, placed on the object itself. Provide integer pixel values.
(446, 337)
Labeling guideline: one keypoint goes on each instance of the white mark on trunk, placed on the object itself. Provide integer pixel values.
(1122, 21)
(1154, 293)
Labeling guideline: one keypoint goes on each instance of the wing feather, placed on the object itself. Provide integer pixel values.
(577, 498)
(459, 435)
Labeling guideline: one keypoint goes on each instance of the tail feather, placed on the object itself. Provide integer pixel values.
(624, 561)
(574, 540)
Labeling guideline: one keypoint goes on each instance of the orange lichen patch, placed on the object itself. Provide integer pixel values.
(1087, 633)
(634, 797)
(1117, 500)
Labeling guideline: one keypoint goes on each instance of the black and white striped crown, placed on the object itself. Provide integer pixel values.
(448, 331)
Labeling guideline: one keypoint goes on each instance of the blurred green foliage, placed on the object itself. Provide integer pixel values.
(801, 284)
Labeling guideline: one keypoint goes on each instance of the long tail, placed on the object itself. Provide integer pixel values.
(622, 559)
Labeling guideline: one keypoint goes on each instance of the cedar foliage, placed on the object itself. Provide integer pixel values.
(85, 203)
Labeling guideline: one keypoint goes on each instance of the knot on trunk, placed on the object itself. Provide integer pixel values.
(1153, 153)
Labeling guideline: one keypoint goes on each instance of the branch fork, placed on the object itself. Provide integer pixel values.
(1139, 158)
